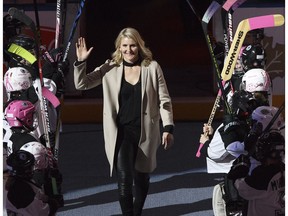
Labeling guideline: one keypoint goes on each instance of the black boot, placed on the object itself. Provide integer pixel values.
(126, 204)
(141, 191)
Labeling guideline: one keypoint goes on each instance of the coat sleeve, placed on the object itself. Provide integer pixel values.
(165, 102)
(90, 80)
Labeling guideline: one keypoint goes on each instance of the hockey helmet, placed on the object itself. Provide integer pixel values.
(253, 56)
(40, 154)
(24, 41)
(20, 113)
(21, 163)
(264, 115)
(256, 80)
(17, 79)
(270, 145)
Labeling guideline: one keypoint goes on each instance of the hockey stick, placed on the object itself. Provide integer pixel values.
(209, 123)
(214, 6)
(243, 27)
(72, 32)
(228, 9)
(37, 20)
(58, 18)
(73, 29)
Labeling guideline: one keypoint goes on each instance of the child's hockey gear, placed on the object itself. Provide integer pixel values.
(20, 113)
(242, 29)
(17, 14)
(264, 114)
(21, 163)
(253, 56)
(256, 80)
(40, 154)
(17, 79)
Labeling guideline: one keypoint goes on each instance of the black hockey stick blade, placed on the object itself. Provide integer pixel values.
(19, 15)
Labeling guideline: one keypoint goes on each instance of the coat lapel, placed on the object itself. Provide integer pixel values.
(144, 72)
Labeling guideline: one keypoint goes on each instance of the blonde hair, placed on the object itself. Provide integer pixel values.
(144, 52)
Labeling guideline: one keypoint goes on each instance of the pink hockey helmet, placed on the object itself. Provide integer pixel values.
(20, 113)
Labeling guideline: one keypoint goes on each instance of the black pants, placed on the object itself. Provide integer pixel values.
(126, 151)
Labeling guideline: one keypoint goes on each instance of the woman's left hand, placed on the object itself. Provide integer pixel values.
(167, 140)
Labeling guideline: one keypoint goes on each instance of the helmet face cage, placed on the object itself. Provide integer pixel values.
(270, 145)
(243, 103)
(21, 163)
(253, 56)
(20, 113)
(17, 79)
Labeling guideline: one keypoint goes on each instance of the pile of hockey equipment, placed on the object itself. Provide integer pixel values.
(244, 98)
(34, 86)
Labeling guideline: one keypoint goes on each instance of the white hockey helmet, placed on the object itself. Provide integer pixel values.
(17, 79)
(40, 154)
(264, 115)
(256, 80)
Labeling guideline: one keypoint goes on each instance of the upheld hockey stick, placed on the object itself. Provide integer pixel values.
(228, 9)
(58, 18)
(209, 123)
(243, 27)
(72, 33)
(73, 29)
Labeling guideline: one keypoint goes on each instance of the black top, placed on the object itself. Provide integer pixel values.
(130, 104)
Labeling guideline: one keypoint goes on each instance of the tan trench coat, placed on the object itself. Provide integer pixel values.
(156, 104)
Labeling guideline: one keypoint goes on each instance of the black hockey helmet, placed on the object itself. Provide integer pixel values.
(24, 41)
(21, 163)
(253, 56)
(270, 145)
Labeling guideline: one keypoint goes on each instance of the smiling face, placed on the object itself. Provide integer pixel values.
(129, 50)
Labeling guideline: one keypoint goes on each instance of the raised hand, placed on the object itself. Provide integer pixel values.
(81, 50)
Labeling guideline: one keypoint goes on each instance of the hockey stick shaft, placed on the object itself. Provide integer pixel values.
(243, 27)
(73, 29)
(58, 20)
(280, 109)
(210, 120)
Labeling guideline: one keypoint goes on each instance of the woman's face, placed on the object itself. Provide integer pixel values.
(129, 50)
